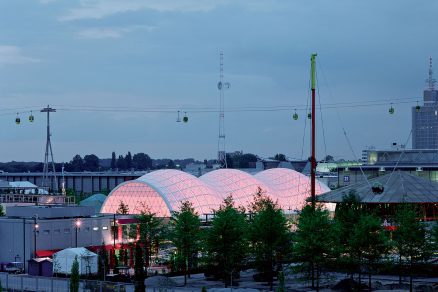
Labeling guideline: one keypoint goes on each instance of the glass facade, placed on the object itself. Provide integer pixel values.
(425, 122)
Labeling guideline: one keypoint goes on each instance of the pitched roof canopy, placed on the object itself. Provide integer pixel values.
(398, 187)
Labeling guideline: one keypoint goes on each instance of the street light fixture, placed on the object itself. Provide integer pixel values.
(77, 226)
(36, 226)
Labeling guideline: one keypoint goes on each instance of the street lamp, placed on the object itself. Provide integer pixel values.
(77, 225)
(36, 226)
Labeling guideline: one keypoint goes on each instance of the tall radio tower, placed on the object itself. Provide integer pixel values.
(221, 154)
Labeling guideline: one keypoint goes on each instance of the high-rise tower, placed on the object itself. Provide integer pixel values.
(425, 118)
(221, 153)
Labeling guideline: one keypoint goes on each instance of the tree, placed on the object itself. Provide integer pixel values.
(77, 164)
(128, 160)
(315, 240)
(141, 161)
(171, 164)
(91, 162)
(113, 160)
(123, 208)
(74, 277)
(434, 236)
(103, 266)
(150, 231)
(269, 234)
(280, 157)
(139, 275)
(329, 158)
(185, 235)
(121, 163)
(410, 238)
(226, 241)
(2, 212)
(368, 243)
(347, 216)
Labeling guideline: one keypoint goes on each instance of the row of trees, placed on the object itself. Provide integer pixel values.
(356, 241)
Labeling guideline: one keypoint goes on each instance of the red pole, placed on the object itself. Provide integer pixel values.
(313, 158)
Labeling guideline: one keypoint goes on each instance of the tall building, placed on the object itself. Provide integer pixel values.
(425, 118)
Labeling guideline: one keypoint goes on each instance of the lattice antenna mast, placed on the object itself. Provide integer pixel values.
(46, 178)
(430, 81)
(221, 153)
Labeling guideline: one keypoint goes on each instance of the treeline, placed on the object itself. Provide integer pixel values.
(91, 162)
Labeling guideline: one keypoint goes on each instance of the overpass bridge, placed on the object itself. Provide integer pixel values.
(86, 182)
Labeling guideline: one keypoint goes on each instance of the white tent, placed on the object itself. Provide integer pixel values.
(63, 261)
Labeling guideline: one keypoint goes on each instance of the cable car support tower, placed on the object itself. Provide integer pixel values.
(221, 153)
(46, 178)
(313, 158)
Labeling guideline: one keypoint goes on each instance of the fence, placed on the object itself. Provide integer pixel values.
(26, 283)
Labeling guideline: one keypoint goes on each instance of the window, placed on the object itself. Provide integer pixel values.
(105, 228)
(57, 231)
(95, 228)
(46, 232)
(66, 230)
(87, 229)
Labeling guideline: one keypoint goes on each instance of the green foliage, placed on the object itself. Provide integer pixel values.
(269, 234)
(280, 157)
(74, 277)
(141, 161)
(139, 275)
(151, 231)
(103, 265)
(128, 160)
(123, 208)
(2, 211)
(410, 238)
(281, 285)
(113, 160)
(185, 234)
(226, 242)
(1, 287)
(203, 289)
(315, 240)
(91, 163)
(368, 242)
(434, 237)
(346, 219)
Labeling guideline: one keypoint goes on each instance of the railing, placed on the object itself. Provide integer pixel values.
(12, 282)
(36, 199)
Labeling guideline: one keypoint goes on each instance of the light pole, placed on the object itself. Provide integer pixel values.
(77, 225)
(36, 226)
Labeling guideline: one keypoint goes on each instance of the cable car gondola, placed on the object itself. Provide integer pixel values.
(185, 118)
(17, 120)
(417, 108)
(295, 116)
(31, 117)
(391, 110)
(309, 116)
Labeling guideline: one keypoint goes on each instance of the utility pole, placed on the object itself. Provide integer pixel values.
(313, 158)
(46, 178)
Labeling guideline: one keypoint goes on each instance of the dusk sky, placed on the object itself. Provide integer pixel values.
(118, 72)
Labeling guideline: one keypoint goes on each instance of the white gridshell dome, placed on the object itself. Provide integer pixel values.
(162, 191)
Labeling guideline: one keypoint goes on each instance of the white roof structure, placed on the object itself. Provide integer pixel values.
(22, 185)
(241, 185)
(162, 191)
(63, 261)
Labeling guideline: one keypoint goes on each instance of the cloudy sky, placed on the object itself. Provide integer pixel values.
(118, 71)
